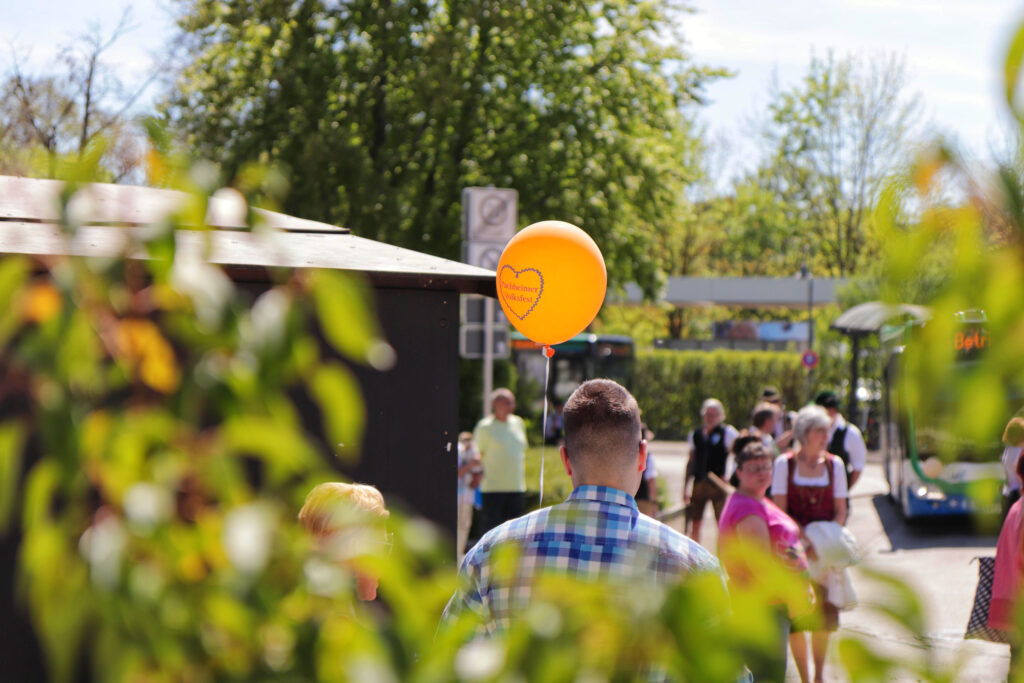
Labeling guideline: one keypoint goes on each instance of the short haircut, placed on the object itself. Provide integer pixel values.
(762, 413)
(1013, 435)
(331, 505)
(741, 441)
(712, 403)
(503, 392)
(602, 420)
(810, 417)
(827, 399)
(752, 450)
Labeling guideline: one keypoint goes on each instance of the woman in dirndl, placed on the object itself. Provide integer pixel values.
(809, 484)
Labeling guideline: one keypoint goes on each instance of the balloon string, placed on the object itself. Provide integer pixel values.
(548, 352)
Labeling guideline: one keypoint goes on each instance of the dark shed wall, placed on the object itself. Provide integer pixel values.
(412, 409)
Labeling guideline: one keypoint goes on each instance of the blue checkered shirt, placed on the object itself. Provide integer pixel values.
(597, 533)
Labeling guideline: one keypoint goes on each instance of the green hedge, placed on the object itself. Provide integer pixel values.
(671, 385)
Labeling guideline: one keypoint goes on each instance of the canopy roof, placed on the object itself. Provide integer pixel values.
(109, 214)
(868, 318)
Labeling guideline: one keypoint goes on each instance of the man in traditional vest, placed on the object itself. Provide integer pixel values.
(844, 439)
(709, 448)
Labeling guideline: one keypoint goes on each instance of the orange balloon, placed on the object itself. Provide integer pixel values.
(551, 281)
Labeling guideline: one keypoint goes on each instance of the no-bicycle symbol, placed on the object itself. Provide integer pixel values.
(493, 210)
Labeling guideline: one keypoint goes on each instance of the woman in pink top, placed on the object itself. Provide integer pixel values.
(1008, 572)
(752, 516)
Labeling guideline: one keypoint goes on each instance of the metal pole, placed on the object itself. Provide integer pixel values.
(810, 312)
(851, 408)
(488, 353)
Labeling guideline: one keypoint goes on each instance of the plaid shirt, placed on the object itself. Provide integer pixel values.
(597, 533)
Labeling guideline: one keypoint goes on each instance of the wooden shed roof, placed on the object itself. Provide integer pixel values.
(109, 214)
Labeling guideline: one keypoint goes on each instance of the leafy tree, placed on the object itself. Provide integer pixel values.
(80, 107)
(831, 142)
(760, 236)
(382, 112)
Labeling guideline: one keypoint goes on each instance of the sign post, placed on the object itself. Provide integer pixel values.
(489, 217)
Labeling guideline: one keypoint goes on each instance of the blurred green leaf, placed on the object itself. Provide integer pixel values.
(40, 487)
(13, 273)
(12, 438)
(278, 442)
(902, 603)
(870, 666)
(341, 405)
(1011, 71)
(344, 308)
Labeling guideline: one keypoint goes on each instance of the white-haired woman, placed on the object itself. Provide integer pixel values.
(809, 484)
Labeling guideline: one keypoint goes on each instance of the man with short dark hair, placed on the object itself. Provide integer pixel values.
(596, 533)
(844, 439)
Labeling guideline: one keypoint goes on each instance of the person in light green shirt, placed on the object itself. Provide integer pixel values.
(501, 440)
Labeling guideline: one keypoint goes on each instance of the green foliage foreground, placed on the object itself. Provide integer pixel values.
(166, 458)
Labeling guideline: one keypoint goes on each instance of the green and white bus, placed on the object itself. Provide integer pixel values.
(968, 477)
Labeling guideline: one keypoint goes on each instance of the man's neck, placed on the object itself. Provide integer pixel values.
(608, 481)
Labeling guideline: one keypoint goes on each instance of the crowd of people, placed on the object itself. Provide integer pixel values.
(492, 468)
(767, 484)
(781, 485)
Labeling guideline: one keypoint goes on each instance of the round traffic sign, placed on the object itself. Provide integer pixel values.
(493, 210)
(490, 258)
(809, 359)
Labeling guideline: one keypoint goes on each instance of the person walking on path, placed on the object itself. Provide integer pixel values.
(597, 532)
(709, 449)
(810, 486)
(470, 475)
(500, 439)
(783, 432)
(647, 495)
(763, 421)
(844, 438)
(750, 517)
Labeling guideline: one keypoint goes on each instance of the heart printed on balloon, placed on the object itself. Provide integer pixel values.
(520, 290)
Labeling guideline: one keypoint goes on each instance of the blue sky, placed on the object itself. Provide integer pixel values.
(952, 50)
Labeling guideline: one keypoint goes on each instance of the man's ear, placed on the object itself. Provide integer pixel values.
(642, 455)
(565, 460)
